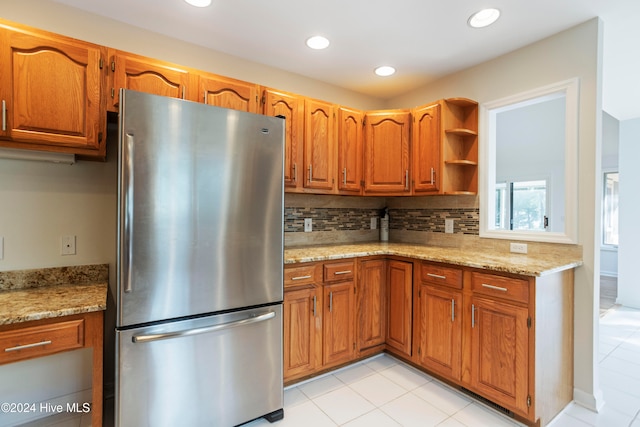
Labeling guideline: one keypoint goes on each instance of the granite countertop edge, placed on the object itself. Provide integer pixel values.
(536, 265)
(47, 302)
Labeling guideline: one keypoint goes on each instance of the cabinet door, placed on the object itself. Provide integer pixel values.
(338, 323)
(426, 149)
(499, 352)
(302, 337)
(291, 107)
(439, 330)
(146, 75)
(319, 145)
(229, 93)
(372, 305)
(386, 151)
(51, 93)
(399, 297)
(350, 151)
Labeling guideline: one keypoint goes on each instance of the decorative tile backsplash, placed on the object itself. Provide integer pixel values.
(351, 219)
(329, 219)
(466, 220)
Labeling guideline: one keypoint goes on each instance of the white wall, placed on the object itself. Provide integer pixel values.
(576, 52)
(629, 245)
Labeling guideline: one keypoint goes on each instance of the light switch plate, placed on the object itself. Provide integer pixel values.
(448, 225)
(374, 223)
(308, 225)
(68, 245)
(1, 247)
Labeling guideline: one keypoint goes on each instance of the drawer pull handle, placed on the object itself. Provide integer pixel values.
(337, 273)
(497, 288)
(26, 346)
(436, 276)
(301, 277)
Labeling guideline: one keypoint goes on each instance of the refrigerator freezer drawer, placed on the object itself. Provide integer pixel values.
(218, 371)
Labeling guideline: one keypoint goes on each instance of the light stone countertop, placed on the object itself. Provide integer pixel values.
(36, 294)
(23, 305)
(527, 265)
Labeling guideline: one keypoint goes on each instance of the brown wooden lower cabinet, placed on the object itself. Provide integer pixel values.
(399, 295)
(507, 338)
(38, 338)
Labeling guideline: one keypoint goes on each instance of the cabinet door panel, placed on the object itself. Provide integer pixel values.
(319, 145)
(440, 336)
(372, 303)
(291, 108)
(500, 349)
(228, 93)
(52, 91)
(387, 153)
(399, 297)
(338, 325)
(350, 151)
(301, 322)
(426, 149)
(147, 75)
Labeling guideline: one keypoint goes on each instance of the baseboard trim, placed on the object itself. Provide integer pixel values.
(592, 401)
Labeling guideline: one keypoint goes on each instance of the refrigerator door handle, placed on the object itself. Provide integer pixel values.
(127, 214)
(208, 329)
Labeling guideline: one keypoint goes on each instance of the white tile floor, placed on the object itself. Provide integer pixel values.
(385, 392)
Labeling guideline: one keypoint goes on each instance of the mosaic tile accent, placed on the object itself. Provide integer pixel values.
(329, 219)
(467, 220)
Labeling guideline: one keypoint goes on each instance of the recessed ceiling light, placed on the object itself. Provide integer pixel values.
(317, 42)
(483, 18)
(199, 3)
(385, 71)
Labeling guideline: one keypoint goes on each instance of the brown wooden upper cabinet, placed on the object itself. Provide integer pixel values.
(386, 152)
(51, 90)
(291, 107)
(319, 146)
(460, 146)
(350, 151)
(147, 75)
(425, 148)
(229, 93)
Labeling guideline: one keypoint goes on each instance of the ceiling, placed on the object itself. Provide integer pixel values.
(423, 39)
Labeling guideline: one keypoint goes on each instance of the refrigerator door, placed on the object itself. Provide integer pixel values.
(200, 209)
(213, 371)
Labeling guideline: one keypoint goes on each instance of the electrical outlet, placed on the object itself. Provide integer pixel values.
(374, 223)
(68, 245)
(308, 225)
(448, 225)
(518, 248)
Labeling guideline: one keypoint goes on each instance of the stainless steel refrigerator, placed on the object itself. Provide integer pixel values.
(200, 258)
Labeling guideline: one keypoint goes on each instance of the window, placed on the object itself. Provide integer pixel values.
(521, 205)
(610, 209)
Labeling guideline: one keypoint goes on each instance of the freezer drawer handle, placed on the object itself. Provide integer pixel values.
(205, 330)
(26, 346)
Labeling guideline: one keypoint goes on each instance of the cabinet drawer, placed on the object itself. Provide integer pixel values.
(336, 271)
(301, 275)
(435, 274)
(36, 341)
(500, 286)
